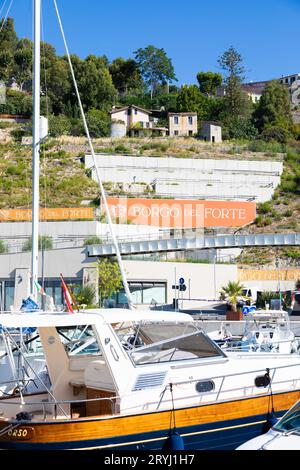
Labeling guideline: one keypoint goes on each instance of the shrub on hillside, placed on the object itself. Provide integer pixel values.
(3, 247)
(240, 128)
(59, 125)
(98, 122)
(275, 133)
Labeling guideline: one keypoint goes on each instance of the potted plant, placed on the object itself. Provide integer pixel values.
(232, 291)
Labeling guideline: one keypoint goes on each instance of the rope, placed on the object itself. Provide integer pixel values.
(103, 195)
(173, 409)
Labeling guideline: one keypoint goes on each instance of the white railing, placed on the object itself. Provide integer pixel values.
(235, 392)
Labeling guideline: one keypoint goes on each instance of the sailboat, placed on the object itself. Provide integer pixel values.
(135, 379)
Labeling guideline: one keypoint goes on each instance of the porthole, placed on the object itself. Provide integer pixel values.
(205, 386)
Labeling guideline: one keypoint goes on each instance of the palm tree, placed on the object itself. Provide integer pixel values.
(232, 291)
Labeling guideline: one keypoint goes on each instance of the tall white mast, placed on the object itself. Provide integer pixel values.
(36, 146)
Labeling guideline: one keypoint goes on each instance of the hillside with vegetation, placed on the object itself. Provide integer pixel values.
(260, 131)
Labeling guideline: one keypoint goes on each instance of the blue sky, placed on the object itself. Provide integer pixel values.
(194, 33)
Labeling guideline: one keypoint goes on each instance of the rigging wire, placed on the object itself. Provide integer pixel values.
(5, 17)
(1, 9)
(115, 242)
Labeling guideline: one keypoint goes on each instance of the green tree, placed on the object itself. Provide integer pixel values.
(17, 103)
(8, 41)
(236, 102)
(95, 84)
(84, 295)
(232, 291)
(92, 241)
(274, 108)
(59, 125)
(59, 85)
(110, 280)
(126, 76)
(98, 123)
(209, 82)
(190, 99)
(240, 128)
(154, 66)
(3, 247)
(45, 243)
(22, 68)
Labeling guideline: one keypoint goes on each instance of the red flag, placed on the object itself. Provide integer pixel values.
(67, 295)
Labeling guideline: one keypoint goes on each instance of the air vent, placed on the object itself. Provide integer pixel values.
(149, 380)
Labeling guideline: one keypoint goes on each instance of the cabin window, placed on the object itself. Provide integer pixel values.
(79, 340)
(205, 386)
(172, 342)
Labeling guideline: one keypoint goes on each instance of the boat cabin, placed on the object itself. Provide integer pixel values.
(95, 358)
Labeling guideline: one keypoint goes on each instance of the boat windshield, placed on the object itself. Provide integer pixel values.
(290, 422)
(151, 342)
(79, 340)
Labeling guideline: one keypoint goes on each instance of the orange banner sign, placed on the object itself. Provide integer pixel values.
(268, 274)
(22, 215)
(182, 213)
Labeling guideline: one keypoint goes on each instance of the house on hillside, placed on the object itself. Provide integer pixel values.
(134, 121)
(183, 124)
(254, 89)
(211, 131)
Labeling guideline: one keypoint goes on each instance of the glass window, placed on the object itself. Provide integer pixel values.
(79, 340)
(154, 293)
(176, 120)
(290, 421)
(136, 292)
(162, 345)
(205, 386)
(190, 120)
(146, 293)
(9, 292)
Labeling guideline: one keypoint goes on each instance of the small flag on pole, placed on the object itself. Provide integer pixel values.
(39, 288)
(67, 294)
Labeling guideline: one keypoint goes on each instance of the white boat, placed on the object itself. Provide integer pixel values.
(284, 435)
(265, 331)
(133, 378)
(137, 379)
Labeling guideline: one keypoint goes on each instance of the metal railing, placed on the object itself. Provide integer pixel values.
(195, 398)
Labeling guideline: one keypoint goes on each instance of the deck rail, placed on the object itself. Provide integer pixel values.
(276, 384)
